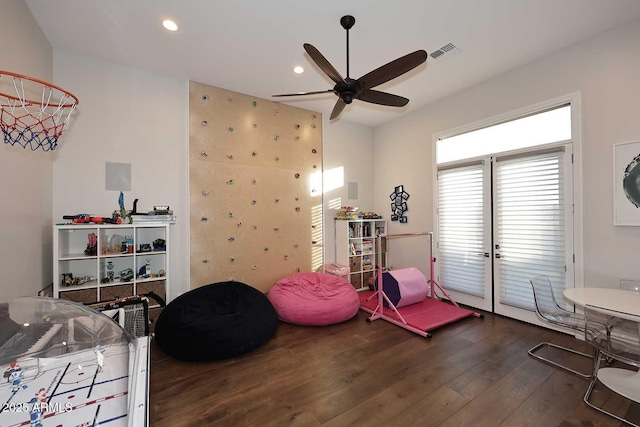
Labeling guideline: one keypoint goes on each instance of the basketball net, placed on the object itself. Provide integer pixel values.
(31, 122)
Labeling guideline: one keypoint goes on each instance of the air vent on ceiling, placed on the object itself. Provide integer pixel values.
(449, 47)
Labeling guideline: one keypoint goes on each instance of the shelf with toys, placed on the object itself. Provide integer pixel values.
(355, 236)
(96, 262)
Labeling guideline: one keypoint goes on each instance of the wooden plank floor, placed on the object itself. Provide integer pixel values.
(475, 372)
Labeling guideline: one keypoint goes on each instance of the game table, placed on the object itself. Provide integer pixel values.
(67, 365)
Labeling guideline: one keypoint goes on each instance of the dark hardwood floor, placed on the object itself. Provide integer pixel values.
(475, 372)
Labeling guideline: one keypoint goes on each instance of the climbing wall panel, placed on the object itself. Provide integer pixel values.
(255, 188)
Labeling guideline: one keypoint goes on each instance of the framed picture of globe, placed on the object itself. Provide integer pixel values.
(626, 182)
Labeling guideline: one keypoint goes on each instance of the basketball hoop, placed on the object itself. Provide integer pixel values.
(31, 122)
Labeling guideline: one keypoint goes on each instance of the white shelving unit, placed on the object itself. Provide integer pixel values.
(356, 247)
(113, 269)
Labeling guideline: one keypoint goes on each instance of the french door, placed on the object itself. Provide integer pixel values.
(503, 220)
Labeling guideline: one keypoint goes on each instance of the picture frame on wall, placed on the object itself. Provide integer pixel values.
(626, 182)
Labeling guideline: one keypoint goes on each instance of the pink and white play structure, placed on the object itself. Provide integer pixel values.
(414, 305)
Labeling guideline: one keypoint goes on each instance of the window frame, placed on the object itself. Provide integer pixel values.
(575, 100)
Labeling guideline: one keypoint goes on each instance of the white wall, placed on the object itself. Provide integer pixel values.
(25, 175)
(349, 146)
(605, 71)
(125, 115)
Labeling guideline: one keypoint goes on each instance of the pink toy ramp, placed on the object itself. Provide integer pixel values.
(421, 317)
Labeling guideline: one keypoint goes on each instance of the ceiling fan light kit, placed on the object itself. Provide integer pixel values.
(348, 89)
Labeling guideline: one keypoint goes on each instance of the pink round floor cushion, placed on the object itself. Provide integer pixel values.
(314, 299)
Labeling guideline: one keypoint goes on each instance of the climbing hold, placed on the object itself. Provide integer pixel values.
(204, 154)
(205, 193)
(204, 123)
(231, 239)
(205, 97)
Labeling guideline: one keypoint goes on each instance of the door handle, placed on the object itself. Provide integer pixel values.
(485, 254)
(499, 256)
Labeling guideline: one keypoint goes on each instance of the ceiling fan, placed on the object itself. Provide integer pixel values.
(348, 89)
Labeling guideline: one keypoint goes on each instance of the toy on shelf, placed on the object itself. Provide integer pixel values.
(347, 212)
(369, 215)
(86, 219)
(92, 246)
(69, 280)
(159, 245)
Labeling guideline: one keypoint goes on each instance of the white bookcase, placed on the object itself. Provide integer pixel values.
(356, 246)
(114, 269)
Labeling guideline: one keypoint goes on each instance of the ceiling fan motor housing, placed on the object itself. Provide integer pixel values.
(348, 90)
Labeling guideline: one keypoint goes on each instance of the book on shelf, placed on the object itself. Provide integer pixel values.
(152, 218)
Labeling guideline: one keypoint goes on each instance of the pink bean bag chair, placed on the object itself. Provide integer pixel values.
(314, 299)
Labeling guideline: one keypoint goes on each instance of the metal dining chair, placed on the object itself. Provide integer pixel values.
(548, 309)
(620, 341)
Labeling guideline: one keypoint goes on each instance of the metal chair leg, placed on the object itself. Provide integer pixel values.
(533, 350)
(592, 384)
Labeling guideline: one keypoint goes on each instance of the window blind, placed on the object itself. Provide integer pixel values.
(530, 211)
(461, 229)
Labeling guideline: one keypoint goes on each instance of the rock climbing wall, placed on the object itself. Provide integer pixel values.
(255, 188)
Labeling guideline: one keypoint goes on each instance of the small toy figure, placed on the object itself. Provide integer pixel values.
(110, 271)
(99, 351)
(15, 376)
(92, 246)
(35, 413)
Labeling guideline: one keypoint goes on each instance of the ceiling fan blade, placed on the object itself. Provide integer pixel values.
(322, 62)
(393, 69)
(382, 98)
(306, 93)
(337, 109)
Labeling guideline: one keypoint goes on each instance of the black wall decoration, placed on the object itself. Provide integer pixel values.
(399, 199)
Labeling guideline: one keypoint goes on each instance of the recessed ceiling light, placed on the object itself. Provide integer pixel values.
(298, 69)
(170, 25)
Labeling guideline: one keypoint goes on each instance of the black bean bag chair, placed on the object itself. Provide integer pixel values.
(216, 321)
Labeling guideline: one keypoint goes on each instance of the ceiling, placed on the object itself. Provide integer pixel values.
(251, 46)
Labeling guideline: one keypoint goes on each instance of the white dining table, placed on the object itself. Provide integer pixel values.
(620, 303)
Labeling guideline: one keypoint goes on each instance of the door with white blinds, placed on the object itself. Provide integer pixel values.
(501, 222)
(532, 226)
(464, 216)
